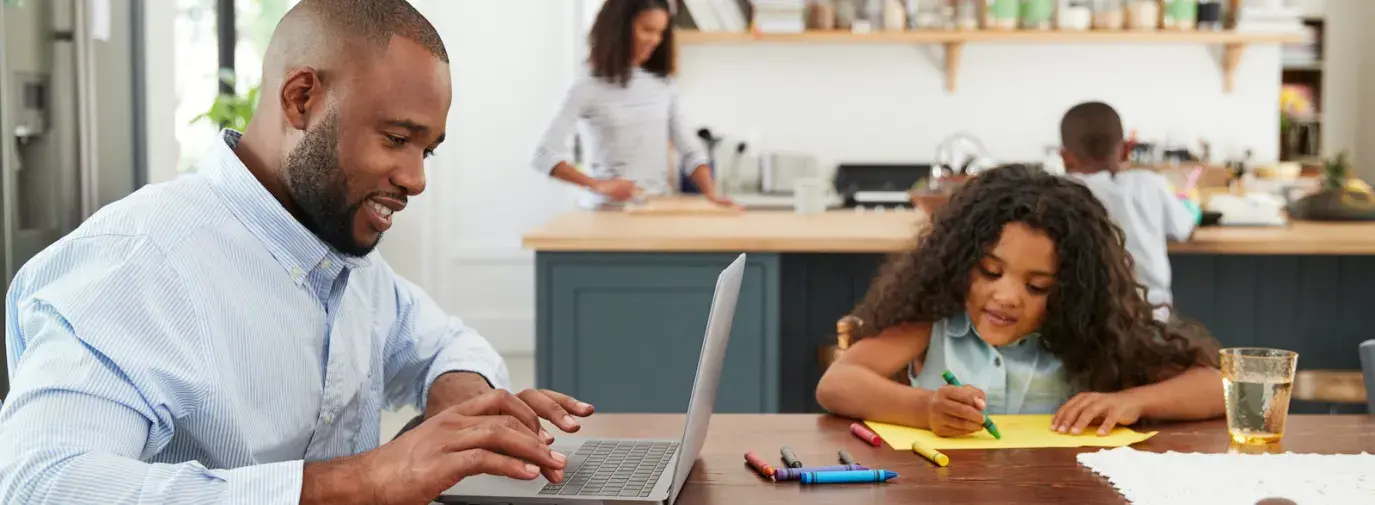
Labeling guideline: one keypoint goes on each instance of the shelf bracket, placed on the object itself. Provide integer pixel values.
(953, 50)
(1231, 56)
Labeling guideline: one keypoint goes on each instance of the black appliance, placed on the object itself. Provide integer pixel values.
(878, 185)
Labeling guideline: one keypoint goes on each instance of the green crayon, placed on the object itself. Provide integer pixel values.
(988, 423)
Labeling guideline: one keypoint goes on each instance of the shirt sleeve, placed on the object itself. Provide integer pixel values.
(553, 146)
(691, 153)
(1179, 221)
(104, 357)
(427, 343)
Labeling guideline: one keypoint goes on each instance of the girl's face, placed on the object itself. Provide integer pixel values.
(1009, 286)
(648, 31)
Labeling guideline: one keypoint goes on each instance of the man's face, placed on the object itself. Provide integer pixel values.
(359, 165)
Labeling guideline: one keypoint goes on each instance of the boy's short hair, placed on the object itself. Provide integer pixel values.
(1092, 132)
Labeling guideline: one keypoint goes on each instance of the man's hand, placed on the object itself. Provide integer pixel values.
(558, 408)
(1112, 409)
(465, 388)
(423, 462)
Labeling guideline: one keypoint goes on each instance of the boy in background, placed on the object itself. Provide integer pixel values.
(1139, 201)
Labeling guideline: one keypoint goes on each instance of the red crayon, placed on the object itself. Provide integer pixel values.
(862, 431)
(759, 464)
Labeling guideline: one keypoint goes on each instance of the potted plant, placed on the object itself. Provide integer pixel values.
(231, 110)
(1342, 197)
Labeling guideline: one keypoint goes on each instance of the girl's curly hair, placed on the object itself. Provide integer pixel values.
(1097, 319)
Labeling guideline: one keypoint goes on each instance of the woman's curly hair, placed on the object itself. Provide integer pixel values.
(1097, 319)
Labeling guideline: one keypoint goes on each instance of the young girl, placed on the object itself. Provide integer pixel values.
(1022, 287)
(630, 109)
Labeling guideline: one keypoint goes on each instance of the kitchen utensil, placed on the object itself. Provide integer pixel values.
(778, 171)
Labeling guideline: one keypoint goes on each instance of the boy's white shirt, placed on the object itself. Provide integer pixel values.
(1141, 203)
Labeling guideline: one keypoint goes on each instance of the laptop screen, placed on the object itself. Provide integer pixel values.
(703, 399)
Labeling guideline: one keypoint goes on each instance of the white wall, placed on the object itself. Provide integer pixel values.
(160, 81)
(1349, 83)
(512, 62)
(887, 103)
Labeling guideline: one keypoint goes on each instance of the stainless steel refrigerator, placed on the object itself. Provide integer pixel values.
(71, 132)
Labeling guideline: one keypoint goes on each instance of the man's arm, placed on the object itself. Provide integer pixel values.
(1179, 220)
(427, 343)
(99, 378)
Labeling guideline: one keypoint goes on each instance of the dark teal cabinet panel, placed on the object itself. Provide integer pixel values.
(624, 331)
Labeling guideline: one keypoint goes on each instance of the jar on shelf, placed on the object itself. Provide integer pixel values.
(1109, 14)
(1143, 15)
(1210, 14)
(846, 12)
(821, 15)
(1179, 14)
(1074, 15)
(1001, 14)
(1037, 14)
(894, 16)
(930, 14)
(966, 14)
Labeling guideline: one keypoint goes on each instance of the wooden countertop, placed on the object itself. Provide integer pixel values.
(869, 232)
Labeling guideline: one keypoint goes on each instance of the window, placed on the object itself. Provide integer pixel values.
(198, 38)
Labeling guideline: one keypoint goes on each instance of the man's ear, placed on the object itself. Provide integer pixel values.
(1068, 158)
(299, 93)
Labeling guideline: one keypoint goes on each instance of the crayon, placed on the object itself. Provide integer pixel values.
(988, 423)
(796, 473)
(862, 431)
(846, 458)
(847, 477)
(931, 454)
(790, 459)
(758, 464)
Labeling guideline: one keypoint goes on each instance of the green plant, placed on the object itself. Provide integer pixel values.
(1335, 172)
(231, 110)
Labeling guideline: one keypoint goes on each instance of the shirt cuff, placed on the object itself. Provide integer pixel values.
(267, 483)
(465, 359)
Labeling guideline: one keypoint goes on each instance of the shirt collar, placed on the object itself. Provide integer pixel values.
(295, 247)
(960, 325)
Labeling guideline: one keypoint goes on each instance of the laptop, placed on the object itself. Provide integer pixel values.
(627, 471)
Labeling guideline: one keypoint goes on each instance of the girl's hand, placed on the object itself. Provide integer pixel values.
(956, 410)
(1121, 408)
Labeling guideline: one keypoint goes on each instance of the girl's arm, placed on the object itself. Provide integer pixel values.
(858, 385)
(1192, 395)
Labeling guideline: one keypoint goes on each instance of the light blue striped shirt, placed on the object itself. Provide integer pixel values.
(194, 343)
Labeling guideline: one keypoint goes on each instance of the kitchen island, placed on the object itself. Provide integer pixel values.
(622, 299)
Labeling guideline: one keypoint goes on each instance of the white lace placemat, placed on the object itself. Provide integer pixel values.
(1176, 478)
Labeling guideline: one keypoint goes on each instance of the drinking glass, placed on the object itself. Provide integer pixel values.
(1256, 385)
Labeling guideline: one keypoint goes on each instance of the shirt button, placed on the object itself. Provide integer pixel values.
(329, 418)
(327, 264)
(297, 273)
(997, 362)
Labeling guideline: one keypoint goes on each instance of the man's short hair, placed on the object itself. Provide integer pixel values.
(374, 22)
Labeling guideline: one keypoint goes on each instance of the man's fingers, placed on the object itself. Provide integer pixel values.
(501, 438)
(572, 405)
(484, 462)
(547, 408)
(501, 402)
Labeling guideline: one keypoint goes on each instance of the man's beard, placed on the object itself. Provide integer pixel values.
(317, 184)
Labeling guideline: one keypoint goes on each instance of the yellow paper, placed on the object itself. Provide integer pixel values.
(1019, 432)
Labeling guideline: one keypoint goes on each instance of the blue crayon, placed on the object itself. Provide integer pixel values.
(847, 477)
(796, 473)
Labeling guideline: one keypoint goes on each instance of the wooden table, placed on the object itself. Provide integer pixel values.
(1024, 476)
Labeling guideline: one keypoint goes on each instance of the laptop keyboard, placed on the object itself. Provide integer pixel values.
(615, 468)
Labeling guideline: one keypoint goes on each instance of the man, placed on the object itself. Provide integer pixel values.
(230, 337)
(1140, 201)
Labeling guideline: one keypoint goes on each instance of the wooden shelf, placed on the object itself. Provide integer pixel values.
(1233, 43)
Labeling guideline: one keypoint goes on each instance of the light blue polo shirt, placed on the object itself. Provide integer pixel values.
(1018, 378)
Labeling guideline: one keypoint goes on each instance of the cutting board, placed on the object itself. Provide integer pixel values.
(680, 205)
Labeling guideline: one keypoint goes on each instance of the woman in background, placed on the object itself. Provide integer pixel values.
(628, 102)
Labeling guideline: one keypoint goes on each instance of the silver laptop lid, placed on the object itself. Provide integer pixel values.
(703, 399)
